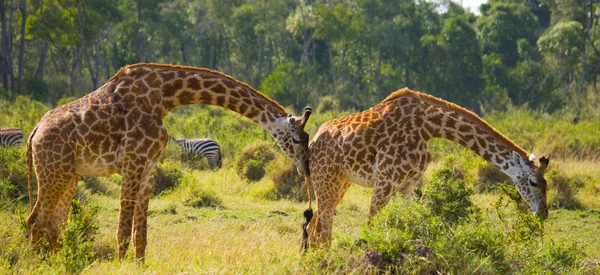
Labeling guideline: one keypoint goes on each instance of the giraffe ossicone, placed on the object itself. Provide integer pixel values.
(119, 129)
(385, 148)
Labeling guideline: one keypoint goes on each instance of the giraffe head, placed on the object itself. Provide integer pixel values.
(530, 182)
(294, 141)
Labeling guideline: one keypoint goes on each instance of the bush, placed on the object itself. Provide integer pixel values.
(95, 185)
(448, 198)
(445, 234)
(203, 198)
(167, 176)
(13, 173)
(288, 183)
(489, 178)
(251, 163)
(78, 237)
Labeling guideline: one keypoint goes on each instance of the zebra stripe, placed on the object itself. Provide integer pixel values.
(201, 147)
(11, 136)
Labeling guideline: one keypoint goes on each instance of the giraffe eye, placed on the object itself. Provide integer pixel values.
(294, 140)
(533, 183)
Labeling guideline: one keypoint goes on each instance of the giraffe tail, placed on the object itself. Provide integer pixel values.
(30, 169)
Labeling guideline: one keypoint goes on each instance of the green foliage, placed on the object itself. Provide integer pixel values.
(200, 197)
(232, 131)
(168, 175)
(409, 237)
(13, 174)
(563, 43)
(252, 161)
(287, 182)
(22, 112)
(78, 237)
(448, 198)
(554, 135)
(95, 185)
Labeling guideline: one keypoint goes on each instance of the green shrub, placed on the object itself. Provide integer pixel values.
(448, 198)
(95, 185)
(489, 177)
(167, 176)
(78, 237)
(203, 198)
(13, 173)
(251, 163)
(288, 183)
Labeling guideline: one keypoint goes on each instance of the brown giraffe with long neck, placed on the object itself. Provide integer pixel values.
(119, 129)
(385, 148)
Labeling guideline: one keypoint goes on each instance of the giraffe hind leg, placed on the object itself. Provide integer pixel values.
(61, 213)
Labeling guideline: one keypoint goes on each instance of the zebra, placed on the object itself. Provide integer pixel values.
(11, 136)
(201, 147)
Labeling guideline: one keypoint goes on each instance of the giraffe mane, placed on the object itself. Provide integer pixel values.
(179, 67)
(449, 105)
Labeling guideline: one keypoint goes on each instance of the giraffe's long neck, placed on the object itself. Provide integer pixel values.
(440, 119)
(177, 86)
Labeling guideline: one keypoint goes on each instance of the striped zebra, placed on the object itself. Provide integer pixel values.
(11, 136)
(199, 148)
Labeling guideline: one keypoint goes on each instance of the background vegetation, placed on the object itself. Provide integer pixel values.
(529, 67)
(344, 54)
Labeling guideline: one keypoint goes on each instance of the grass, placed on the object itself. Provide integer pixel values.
(250, 232)
(246, 234)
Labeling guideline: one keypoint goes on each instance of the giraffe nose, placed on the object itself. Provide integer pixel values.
(542, 214)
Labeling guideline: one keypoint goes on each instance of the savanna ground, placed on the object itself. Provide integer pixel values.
(466, 217)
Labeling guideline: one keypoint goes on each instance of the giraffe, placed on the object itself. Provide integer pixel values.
(119, 128)
(385, 148)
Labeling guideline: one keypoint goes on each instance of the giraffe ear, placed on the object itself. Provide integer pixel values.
(518, 160)
(305, 116)
(544, 161)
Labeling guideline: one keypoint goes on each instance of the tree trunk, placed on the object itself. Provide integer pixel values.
(10, 50)
(271, 51)
(333, 77)
(308, 39)
(93, 69)
(261, 48)
(3, 46)
(23, 9)
(39, 73)
(107, 68)
(116, 65)
(584, 65)
(141, 44)
(183, 54)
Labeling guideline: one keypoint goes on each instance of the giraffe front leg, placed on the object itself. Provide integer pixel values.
(386, 184)
(140, 219)
(382, 192)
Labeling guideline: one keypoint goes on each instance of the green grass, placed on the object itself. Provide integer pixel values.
(250, 231)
